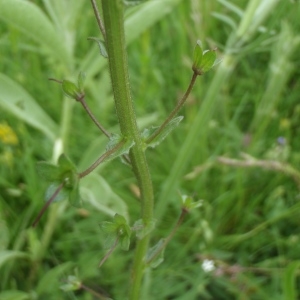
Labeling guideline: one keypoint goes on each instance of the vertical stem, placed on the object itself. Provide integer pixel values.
(113, 16)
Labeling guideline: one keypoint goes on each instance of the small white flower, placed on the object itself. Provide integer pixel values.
(208, 265)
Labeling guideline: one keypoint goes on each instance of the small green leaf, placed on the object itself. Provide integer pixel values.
(197, 57)
(119, 220)
(71, 90)
(47, 171)
(147, 133)
(73, 284)
(289, 282)
(115, 139)
(74, 196)
(65, 164)
(52, 188)
(120, 229)
(208, 61)
(81, 78)
(110, 231)
(6, 255)
(188, 202)
(14, 295)
(141, 229)
(155, 255)
(203, 61)
(101, 45)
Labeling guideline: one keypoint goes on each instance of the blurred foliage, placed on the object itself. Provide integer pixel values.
(243, 242)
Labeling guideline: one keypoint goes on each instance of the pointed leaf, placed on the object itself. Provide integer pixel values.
(289, 283)
(15, 100)
(81, 78)
(119, 220)
(70, 89)
(124, 149)
(6, 255)
(141, 229)
(162, 135)
(14, 295)
(188, 202)
(123, 231)
(101, 45)
(65, 164)
(109, 230)
(209, 58)
(52, 188)
(48, 171)
(73, 284)
(74, 196)
(197, 57)
(155, 255)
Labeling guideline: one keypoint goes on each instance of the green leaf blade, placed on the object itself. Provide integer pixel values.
(17, 101)
(147, 133)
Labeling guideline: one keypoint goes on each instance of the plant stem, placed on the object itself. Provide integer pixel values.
(169, 238)
(101, 159)
(47, 204)
(178, 106)
(113, 16)
(87, 109)
(98, 18)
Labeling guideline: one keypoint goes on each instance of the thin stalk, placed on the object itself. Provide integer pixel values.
(101, 159)
(98, 17)
(47, 204)
(110, 251)
(94, 293)
(169, 238)
(113, 16)
(87, 109)
(176, 109)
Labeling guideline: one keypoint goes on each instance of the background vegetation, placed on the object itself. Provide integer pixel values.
(237, 149)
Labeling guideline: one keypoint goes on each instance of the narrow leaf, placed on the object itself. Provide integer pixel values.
(15, 100)
(208, 61)
(155, 255)
(163, 134)
(124, 149)
(74, 196)
(14, 295)
(197, 56)
(65, 164)
(101, 45)
(7, 255)
(52, 188)
(141, 229)
(70, 89)
(81, 78)
(289, 282)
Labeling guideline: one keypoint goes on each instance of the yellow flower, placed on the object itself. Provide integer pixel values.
(7, 135)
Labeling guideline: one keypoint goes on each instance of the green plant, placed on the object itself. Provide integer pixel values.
(241, 242)
(131, 144)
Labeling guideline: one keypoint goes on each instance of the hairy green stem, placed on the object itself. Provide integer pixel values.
(113, 16)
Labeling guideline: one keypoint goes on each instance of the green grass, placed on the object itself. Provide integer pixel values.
(248, 224)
